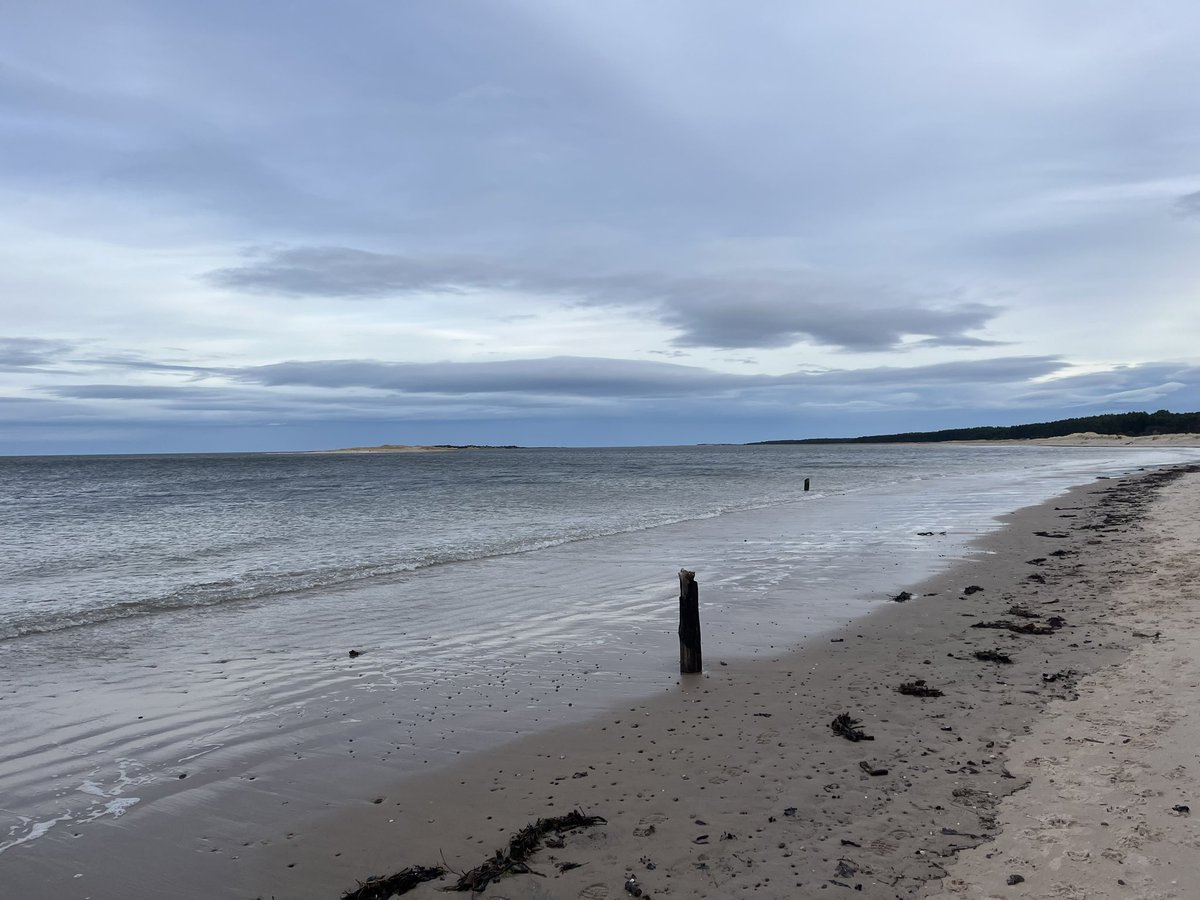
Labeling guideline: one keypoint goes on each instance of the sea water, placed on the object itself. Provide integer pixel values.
(193, 615)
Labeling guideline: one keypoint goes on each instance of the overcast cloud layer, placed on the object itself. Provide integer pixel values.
(269, 226)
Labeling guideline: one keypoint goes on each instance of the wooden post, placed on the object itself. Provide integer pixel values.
(689, 623)
(806, 484)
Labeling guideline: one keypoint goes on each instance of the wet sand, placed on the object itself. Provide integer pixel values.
(733, 783)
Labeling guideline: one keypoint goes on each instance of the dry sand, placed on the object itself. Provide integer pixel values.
(737, 785)
(1115, 776)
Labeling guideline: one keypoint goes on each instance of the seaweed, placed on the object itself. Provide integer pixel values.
(511, 860)
(992, 656)
(848, 728)
(383, 887)
(521, 846)
(918, 688)
(1023, 628)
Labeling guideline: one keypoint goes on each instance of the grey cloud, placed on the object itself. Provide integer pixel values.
(565, 376)
(346, 272)
(734, 311)
(23, 353)
(327, 391)
(782, 309)
(131, 392)
(1120, 386)
(137, 362)
(1188, 204)
(600, 377)
(1000, 370)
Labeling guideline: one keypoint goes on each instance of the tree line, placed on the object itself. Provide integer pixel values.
(1130, 424)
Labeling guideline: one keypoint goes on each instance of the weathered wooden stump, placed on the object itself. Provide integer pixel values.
(689, 623)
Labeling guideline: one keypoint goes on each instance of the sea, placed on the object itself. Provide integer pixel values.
(173, 626)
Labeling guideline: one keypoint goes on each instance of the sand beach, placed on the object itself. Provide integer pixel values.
(1071, 770)
(1063, 764)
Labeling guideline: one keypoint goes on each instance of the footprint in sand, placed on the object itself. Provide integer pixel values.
(594, 892)
(767, 737)
(647, 825)
(882, 847)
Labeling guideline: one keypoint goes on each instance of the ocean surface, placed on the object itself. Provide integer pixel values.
(168, 616)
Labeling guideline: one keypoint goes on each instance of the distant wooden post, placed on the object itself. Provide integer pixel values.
(806, 484)
(689, 623)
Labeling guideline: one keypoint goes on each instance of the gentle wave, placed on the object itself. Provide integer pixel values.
(101, 540)
(278, 585)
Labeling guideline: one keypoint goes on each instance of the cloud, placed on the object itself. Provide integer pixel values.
(134, 392)
(561, 376)
(733, 311)
(781, 309)
(1121, 386)
(1188, 204)
(483, 401)
(18, 353)
(583, 377)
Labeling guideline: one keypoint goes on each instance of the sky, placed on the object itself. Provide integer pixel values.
(278, 225)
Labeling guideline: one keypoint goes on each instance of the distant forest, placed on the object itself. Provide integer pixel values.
(1131, 424)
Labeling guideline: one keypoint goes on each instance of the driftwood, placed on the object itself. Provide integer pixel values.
(1022, 628)
(992, 656)
(1023, 612)
(402, 882)
(690, 655)
(848, 728)
(918, 688)
(521, 846)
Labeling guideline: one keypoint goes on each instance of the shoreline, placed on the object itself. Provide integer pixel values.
(699, 784)
(731, 749)
(696, 787)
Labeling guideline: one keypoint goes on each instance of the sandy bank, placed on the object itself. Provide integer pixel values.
(392, 448)
(1092, 439)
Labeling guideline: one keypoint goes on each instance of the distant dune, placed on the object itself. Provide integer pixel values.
(392, 448)
(420, 448)
(1092, 439)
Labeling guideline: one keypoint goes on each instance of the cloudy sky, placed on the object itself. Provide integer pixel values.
(294, 225)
